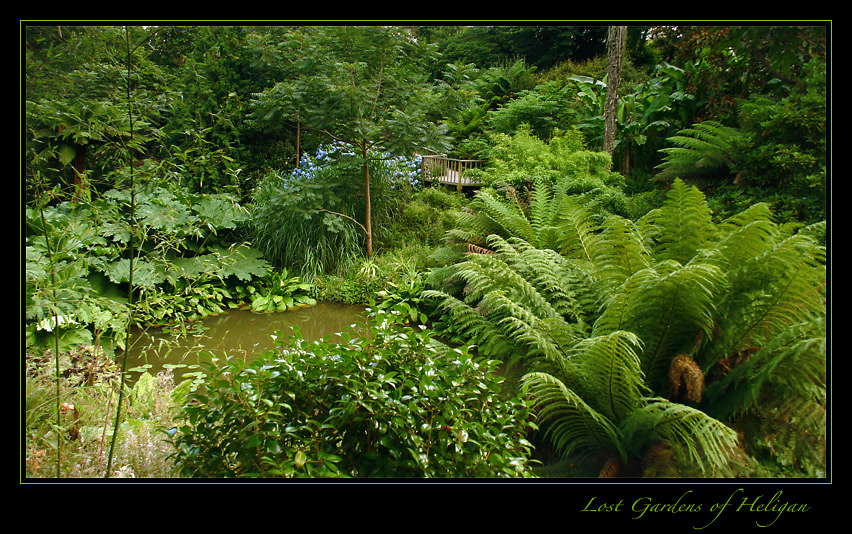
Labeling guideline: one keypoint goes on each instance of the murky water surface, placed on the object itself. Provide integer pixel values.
(236, 333)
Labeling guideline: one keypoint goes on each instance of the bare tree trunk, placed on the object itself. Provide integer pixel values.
(368, 211)
(616, 39)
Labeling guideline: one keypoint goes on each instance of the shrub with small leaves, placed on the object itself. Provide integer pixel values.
(385, 402)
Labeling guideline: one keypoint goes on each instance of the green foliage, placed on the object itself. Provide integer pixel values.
(61, 133)
(646, 114)
(390, 403)
(704, 152)
(560, 191)
(599, 406)
(545, 109)
(783, 153)
(311, 222)
(521, 160)
(719, 312)
(277, 292)
(776, 155)
(181, 271)
(394, 279)
(727, 62)
(424, 219)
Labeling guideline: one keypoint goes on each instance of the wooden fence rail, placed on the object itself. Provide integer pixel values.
(449, 170)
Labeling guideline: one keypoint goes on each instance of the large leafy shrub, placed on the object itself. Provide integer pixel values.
(386, 402)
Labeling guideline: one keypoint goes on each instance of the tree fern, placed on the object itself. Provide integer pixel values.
(793, 363)
(734, 308)
(477, 327)
(618, 252)
(534, 305)
(705, 151)
(774, 281)
(598, 406)
(681, 227)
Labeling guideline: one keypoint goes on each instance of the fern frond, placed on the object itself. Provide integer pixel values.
(781, 286)
(681, 226)
(618, 252)
(606, 371)
(794, 362)
(574, 427)
(561, 282)
(705, 150)
(505, 218)
(541, 201)
(571, 230)
(479, 329)
(708, 442)
(485, 273)
(743, 237)
(666, 306)
(543, 342)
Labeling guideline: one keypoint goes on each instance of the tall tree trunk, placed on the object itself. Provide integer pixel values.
(616, 39)
(367, 201)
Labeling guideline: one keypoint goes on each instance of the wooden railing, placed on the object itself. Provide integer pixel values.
(449, 170)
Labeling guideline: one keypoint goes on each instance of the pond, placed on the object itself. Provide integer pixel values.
(239, 333)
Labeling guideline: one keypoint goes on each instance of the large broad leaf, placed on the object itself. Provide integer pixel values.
(163, 212)
(219, 212)
(241, 261)
(145, 274)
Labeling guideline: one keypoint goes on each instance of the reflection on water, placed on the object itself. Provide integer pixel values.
(237, 333)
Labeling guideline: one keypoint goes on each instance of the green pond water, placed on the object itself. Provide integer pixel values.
(237, 333)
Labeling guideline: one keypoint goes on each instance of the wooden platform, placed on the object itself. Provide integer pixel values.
(449, 171)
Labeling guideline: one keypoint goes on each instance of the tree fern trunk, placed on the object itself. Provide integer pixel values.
(611, 468)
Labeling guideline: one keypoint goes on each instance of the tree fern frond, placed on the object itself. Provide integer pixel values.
(485, 273)
(782, 286)
(675, 309)
(791, 432)
(708, 442)
(479, 329)
(743, 237)
(666, 306)
(793, 361)
(618, 252)
(706, 149)
(541, 200)
(561, 282)
(506, 218)
(574, 427)
(681, 226)
(617, 310)
(571, 229)
(606, 371)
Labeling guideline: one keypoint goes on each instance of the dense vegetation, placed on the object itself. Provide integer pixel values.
(659, 310)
